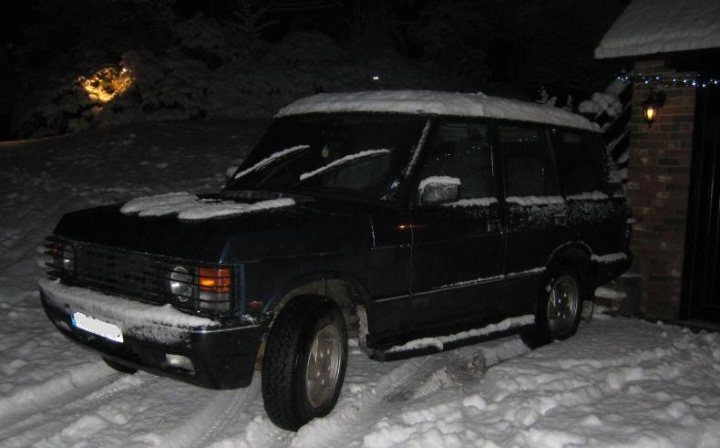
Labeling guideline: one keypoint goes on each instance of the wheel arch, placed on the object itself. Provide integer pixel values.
(575, 255)
(346, 291)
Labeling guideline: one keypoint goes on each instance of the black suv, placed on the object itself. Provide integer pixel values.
(416, 220)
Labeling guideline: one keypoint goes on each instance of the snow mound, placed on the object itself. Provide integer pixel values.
(607, 292)
(601, 102)
(432, 102)
(189, 207)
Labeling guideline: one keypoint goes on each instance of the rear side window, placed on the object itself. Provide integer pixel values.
(580, 160)
(528, 163)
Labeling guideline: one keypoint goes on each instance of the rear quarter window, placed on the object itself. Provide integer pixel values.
(580, 158)
(528, 163)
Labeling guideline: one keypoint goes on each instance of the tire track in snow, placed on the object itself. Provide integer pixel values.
(413, 379)
(20, 252)
(59, 391)
(80, 400)
(224, 407)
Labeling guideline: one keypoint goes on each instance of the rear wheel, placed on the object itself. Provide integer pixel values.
(563, 304)
(304, 362)
(559, 309)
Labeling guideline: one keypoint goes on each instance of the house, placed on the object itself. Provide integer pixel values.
(671, 48)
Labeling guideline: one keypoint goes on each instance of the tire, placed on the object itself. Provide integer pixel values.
(559, 309)
(304, 362)
(119, 367)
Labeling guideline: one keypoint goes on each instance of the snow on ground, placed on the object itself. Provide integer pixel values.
(619, 382)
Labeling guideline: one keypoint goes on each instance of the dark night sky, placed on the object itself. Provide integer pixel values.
(506, 47)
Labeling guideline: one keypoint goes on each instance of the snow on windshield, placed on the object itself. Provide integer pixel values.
(271, 158)
(342, 161)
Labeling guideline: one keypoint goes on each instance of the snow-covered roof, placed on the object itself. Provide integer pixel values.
(441, 103)
(662, 26)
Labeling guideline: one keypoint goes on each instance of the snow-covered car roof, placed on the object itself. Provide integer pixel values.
(432, 102)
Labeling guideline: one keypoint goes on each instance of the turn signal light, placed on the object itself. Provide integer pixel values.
(214, 279)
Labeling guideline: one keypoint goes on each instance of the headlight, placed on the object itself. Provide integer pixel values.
(201, 288)
(182, 284)
(67, 259)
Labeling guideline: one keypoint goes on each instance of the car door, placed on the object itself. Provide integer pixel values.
(458, 239)
(536, 212)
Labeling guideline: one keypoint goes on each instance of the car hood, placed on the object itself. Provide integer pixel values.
(310, 226)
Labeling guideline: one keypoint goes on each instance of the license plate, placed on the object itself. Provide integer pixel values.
(97, 326)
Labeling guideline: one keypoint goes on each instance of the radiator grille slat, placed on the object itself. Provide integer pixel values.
(140, 276)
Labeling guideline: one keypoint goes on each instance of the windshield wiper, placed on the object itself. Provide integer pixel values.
(335, 164)
(272, 158)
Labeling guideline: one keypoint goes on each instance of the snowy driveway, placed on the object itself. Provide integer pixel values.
(619, 382)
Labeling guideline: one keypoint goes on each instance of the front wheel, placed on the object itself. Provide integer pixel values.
(304, 362)
(559, 309)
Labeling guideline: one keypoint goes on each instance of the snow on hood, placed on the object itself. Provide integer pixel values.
(189, 207)
(442, 103)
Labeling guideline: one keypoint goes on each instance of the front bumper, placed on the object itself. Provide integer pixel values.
(222, 357)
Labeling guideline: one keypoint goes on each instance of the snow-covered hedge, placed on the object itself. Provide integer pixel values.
(208, 73)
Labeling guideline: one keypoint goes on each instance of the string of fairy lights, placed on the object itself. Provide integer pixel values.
(698, 81)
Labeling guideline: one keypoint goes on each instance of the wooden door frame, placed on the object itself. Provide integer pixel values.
(695, 191)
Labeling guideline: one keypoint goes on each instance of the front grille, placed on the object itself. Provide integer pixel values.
(137, 275)
(200, 287)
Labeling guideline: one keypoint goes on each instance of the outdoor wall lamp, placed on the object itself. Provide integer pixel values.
(652, 105)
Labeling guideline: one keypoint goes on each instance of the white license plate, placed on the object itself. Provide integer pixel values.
(97, 326)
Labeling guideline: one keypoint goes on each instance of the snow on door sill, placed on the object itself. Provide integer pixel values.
(438, 342)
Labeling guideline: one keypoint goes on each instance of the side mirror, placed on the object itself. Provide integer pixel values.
(439, 189)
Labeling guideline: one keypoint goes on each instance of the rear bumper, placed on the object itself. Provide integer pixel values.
(222, 357)
(613, 265)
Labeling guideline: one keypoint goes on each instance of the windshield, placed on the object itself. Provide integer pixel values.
(358, 155)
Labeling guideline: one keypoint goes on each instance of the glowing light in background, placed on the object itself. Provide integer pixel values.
(107, 83)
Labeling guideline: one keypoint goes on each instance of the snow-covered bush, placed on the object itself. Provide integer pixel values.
(204, 39)
(207, 72)
(601, 102)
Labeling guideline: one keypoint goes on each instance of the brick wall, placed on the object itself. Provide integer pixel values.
(658, 180)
